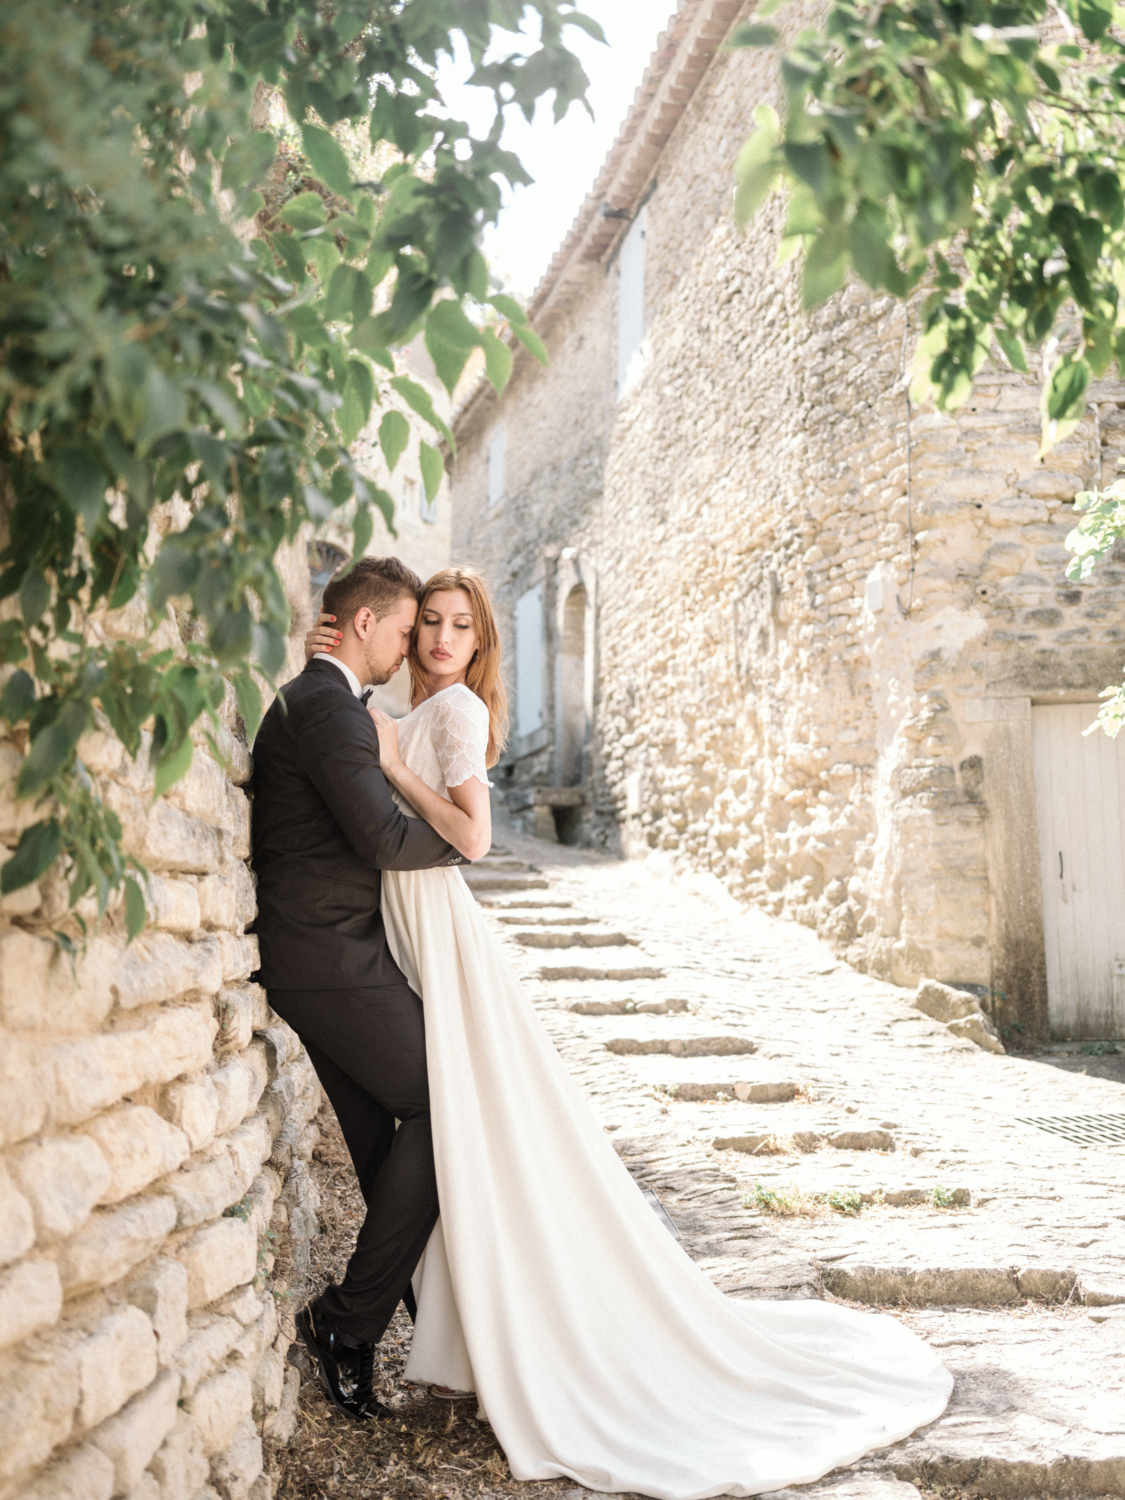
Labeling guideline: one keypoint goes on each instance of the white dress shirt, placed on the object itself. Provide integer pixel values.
(353, 680)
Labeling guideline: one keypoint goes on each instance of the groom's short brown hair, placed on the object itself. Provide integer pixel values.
(375, 583)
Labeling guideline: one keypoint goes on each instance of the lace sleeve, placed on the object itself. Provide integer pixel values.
(460, 736)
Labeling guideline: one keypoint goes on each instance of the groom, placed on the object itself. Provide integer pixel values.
(324, 825)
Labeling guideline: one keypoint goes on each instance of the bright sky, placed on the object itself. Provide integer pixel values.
(564, 159)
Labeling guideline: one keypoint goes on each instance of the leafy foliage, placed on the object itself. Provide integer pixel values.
(175, 403)
(971, 149)
(1100, 529)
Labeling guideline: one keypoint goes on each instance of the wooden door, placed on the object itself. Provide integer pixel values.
(1080, 806)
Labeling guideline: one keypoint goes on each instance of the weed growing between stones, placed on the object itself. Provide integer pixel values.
(847, 1201)
(792, 1202)
(786, 1202)
(942, 1197)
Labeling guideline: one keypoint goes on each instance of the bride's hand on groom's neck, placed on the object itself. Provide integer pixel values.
(323, 636)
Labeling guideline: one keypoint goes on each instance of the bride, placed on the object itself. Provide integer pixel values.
(596, 1348)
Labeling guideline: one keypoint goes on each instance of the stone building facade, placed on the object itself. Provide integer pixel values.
(156, 1122)
(761, 615)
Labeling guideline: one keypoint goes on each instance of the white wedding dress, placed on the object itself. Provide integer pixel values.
(597, 1349)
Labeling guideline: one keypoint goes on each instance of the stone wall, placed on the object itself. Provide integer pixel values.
(817, 633)
(155, 1126)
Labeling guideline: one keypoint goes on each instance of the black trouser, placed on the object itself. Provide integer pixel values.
(369, 1050)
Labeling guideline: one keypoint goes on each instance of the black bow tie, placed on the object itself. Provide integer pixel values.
(365, 696)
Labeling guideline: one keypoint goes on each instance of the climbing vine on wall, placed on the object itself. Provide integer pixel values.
(177, 400)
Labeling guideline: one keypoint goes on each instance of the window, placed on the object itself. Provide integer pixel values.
(529, 661)
(631, 304)
(496, 467)
(428, 508)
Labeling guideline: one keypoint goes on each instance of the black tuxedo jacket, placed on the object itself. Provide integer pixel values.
(324, 825)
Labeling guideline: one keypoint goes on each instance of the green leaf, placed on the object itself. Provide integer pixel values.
(362, 531)
(418, 399)
(448, 322)
(361, 380)
(753, 34)
(363, 292)
(871, 255)
(432, 466)
(17, 698)
(367, 336)
(248, 159)
(269, 648)
(148, 404)
(379, 262)
(328, 159)
(222, 402)
(476, 275)
(826, 265)
(531, 342)
(1013, 349)
(249, 701)
(173, 766)
(394, 434)
(305, 211)
(509, 307)
(497, 360)
(52, 748)
(35, 596)
(293, 255)
(82, 482)
(756, 170)
(448, 362)
(351, 417)
(37, 850)
(338, 300)
(1066, 394)
(324, 256)
(135, 914)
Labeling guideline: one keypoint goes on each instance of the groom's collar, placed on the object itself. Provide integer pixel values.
(352, 680)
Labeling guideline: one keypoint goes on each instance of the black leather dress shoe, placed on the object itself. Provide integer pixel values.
(347, 1373)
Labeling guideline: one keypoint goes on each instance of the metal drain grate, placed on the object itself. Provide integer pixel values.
(1083, 1130)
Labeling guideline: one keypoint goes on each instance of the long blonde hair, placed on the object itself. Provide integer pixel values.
(483, 675)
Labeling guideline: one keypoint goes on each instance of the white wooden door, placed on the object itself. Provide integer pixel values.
(1080, 805)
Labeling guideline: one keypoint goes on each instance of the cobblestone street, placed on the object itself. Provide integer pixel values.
(811, 1134)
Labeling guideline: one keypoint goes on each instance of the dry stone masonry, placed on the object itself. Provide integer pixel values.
(156, 1120)
(805, 635)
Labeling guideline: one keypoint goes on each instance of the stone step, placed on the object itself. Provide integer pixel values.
(968, 1286)
(694, 1046)
(1037, 1406)
(528, 915)
(587, 971)
(574, 939)
(811, 1140)
(749, 1093)
(500, 863)
(627, 1007)
(524, 904)
(484, 881)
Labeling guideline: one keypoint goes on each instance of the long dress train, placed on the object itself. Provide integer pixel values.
(597, 1348)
